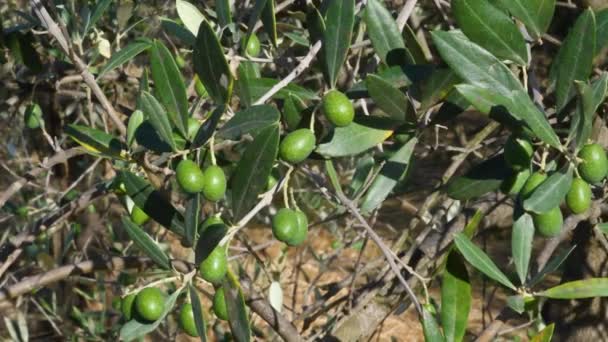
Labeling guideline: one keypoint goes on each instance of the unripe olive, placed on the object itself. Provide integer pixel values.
(285, 225)
(189, 176)
(549, 224)
(532, 183)
(337, 108)
(186, 320)
(150, 304)
(302, 232)
(213, 269)
(219, 304)
(514, 183)
(297, 146)
(253, 46)
(193, 126)
(578, 198)
(215, 183)
(594, 165)
(126, 306)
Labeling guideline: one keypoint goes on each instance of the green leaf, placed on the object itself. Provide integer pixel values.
(480, 180)
(455, 298)
(385, 35)
(522, 238)
(251, 175)
(586, 288)
(430, 327)
(197, 311)
(192, 218)
(390, 174)
(336, 40)
(237, 311)
(125, 54)
(480, 260)
(152, 202)
(208, 127)
(590, 98)
(550, 193)
(574, 59)
(491, 28)
(551, 266)
(413, 45)
(208, 240)
(250, 120)
(353, 139)
(135, 120)
(178, 31)
(158, 118)
(257, 87)
(436, 88)
(517, 303)
(100, 8)
(389, 99)
(211, 66)
(134, 329)
(601, 35)
(270, 22)
(190, 15)
(545, 335)
(398, 77)
(224, 15)
(535, 14)
(169, 86)
(146, 243)
(96, 142)
(292, 111)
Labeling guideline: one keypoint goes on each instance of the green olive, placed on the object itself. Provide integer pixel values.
(253, 48)
(126, 306)
(189, 176)
(213, 269)
(594, 165)
(285, 225)
(513, 185)
(215, 183)
(219, 304)
(549, 224)
(297, 146)
(186, 320)
(578, 198)
(150, 304)
(532, 183)
(337, 108)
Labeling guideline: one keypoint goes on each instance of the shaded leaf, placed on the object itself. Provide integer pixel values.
(490, 28)
(455, 298)
(146, 243)
(157, 116)
(480, 180)
(385, 35)
(574, 59)
(413, 45)
(390, 174)
(292, 111)
(208, 240)
(125, 54)
(250, 120)
(199, 316)
(192, 218)
(208, 127)
(586, 288)
(522, 238)
(551, 266)
(550, 193)
(436, 88)
(237, 311)
(135, 120)
(211, 66)
(255, 15)
(391, 100)
(480, 260)
(270, 22)
(222, 9)
(178, 31)
(339, 24)
(251, 175)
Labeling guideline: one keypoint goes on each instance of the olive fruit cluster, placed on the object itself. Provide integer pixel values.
(147, 305)
(290, 226)
(592, 169)
(211, 182)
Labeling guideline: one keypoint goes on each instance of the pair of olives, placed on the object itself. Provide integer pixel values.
(147, 305)
(290, 226)
(211, 182)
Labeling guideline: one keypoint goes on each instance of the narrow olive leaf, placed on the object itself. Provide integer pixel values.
(135, 120)
(575, 58)
(590, 98)
(224, 15)
(292, 111)
(255, 15)
(353, 139)
(391, 173)
(535, 14)
(178, 31)
(208, 127)
(516, 303)
(455, 298)
(480, 180)
(603, 227)
(250, 120)
(436, 88)
(333, 176)
(251, 175)
(389, 99)
(197, 311)
(190, 15)
(169, 86)
(95, 141)
(208, 240)
(491, 28)
(336, 39)
(211, 66)
(419, 54)
(545, 335)
(430, 327)
(586, 288)
(237, 311)
(395, 75)
(134, 329)
(192, 219)
(601, 29)
(146, 243)
(100, 8)
(551, 266)
(551, 192)
(124, 55)
(270, 22)
(385, 35)
(522, 239)
(260, 86)
(157, 116)
(152, 202)
(480, 260)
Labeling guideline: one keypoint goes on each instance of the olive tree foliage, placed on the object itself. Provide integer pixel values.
(207, 92)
